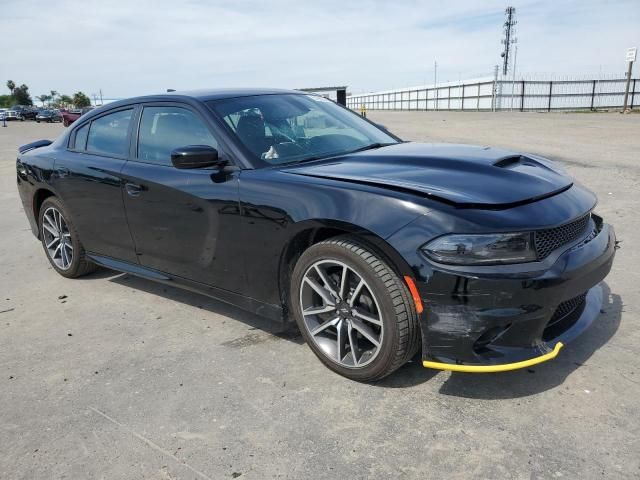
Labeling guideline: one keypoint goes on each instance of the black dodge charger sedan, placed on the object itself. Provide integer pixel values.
(293, 207)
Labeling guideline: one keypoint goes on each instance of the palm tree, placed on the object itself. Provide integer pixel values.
(44, 98)
(53, 94)
(11, 85)
(66, 100)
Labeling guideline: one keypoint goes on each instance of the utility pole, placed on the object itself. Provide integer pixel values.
(101, 102)
(508, 40)
(631, 57)
(509, 37)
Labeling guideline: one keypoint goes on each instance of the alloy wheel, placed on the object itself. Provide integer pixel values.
(57, 238)
(341, 313)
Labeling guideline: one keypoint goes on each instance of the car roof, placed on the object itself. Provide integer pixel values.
(203, 95)
(221, 93)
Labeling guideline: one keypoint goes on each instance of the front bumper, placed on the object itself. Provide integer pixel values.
(491, 320)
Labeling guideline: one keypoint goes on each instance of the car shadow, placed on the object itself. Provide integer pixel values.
(514, 384)
(284, 331)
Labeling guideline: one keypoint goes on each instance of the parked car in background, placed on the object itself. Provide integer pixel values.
(49, 116)
(12, 115)
(26, 112)
(72, 115)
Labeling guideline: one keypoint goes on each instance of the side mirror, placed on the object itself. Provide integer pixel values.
(195, 156)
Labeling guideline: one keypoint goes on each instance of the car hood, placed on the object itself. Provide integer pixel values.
(464, 175)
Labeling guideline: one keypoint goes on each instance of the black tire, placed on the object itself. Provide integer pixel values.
(80, 264)
(401, 338)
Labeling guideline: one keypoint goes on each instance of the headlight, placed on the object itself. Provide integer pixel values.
(485, 249)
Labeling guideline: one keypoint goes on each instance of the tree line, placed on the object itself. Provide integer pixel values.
(20, 96)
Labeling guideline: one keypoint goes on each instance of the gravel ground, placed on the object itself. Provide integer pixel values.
(115, 377)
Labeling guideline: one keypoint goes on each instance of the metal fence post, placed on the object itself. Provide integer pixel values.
(593, 94)
(462, 107)
(550, 95)
(449, 99)
(522, 98)
(478, 101)
(633, 93)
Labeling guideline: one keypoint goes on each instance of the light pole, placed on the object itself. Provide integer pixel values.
(513, 75)
(435, 82)
(495, 88)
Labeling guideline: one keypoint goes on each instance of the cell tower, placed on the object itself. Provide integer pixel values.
(509, 38)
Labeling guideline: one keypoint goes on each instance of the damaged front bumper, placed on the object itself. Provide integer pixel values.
(494, 319)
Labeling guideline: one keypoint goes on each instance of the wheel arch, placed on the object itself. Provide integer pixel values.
(313, 232)
(39, 196)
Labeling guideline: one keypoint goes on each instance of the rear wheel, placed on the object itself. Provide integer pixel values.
(61, 242)
(353, 310)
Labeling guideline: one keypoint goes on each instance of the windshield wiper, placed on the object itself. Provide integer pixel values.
(371, 146)
(339, 154)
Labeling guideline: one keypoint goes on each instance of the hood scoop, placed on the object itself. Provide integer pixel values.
(509, 161)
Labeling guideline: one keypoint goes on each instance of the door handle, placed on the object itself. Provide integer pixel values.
(133, 189)
(63, 172)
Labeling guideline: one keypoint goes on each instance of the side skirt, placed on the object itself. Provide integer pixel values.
(272, 312)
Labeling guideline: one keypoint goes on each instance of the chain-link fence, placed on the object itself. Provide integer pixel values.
(485, 94)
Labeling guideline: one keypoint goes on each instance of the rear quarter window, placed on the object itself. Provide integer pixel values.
(80, 142)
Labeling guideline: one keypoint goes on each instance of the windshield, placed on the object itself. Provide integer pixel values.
(287, 128)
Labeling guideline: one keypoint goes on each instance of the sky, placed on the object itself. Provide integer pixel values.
(137, 47)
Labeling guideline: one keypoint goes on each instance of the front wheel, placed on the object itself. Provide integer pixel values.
(353, 310)
(61, 242)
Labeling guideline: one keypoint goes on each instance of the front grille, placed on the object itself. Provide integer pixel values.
(546, 241)
(565, 316)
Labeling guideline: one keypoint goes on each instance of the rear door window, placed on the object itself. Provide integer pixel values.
(108, 134)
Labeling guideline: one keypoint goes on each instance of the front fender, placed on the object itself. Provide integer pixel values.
(281, 208)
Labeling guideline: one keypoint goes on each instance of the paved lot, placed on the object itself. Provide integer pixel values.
(118, 378)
